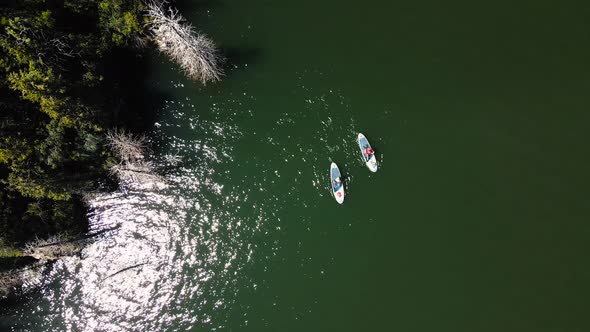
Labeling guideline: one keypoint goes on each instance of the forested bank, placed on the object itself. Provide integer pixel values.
(59, 95)
(71, 71)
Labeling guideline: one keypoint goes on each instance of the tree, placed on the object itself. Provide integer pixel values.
(55, 108)
(39, 251)
(132, 168)
(194, 52)
(120, 20)
(61, 91)
(53, 248)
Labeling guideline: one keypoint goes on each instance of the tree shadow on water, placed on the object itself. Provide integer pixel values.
(137, 102)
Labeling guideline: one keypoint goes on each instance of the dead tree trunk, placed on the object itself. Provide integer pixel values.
(53, 248)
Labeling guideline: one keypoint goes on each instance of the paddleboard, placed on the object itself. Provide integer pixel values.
(336, 183)
(369, 159)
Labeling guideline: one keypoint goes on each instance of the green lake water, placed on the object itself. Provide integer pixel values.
(477, 220)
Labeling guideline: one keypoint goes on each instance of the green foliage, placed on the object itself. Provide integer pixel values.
(91, 79)
(34, 183)
(120, 19)
(55, 107)
(7, 250)
(13, 150)
(38, 84)
(23, 37)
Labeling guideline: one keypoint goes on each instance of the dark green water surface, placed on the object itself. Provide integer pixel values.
(478, 219)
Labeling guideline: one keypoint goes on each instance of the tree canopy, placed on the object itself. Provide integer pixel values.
(56, 106)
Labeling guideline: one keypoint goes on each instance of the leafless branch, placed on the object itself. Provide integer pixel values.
(194, 52)
(128, 147)
(53, 248)
(133, 168)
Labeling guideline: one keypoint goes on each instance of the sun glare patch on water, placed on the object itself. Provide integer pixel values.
(170, 256)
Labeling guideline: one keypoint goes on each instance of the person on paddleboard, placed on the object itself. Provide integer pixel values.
(336, 183)
(369, 152)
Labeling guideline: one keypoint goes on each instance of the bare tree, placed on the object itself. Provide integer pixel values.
(53, 248)
(127, 147)
(133, 168)
(194, 52)
(19, 280)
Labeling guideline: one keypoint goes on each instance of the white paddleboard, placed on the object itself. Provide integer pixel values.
(336, 183)
(369, 159)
